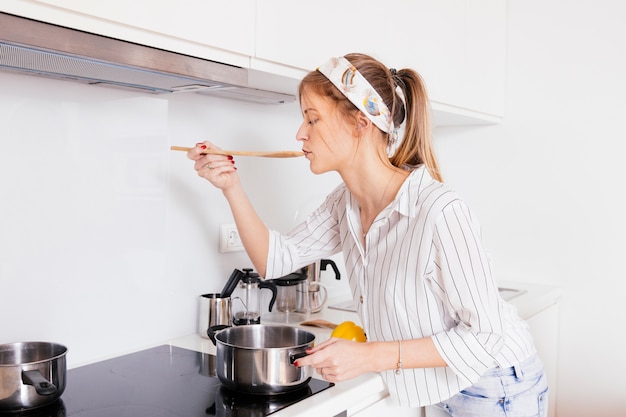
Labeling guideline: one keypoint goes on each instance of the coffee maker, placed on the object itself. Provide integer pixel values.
(246, 298)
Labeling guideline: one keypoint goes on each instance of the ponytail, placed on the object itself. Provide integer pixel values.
(416, 145)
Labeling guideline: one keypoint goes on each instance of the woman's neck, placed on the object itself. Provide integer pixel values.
(374, 189)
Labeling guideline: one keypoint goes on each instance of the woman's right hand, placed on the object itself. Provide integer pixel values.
(219, 170)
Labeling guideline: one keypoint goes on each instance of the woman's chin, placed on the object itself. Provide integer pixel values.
(317, 169)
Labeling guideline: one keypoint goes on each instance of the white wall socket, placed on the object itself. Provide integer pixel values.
(229, 238)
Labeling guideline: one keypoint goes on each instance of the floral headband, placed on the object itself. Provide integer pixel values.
(359, 91)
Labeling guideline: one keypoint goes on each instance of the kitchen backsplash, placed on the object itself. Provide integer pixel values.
(107, 237)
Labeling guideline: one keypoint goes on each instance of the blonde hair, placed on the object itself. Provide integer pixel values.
(416, 146)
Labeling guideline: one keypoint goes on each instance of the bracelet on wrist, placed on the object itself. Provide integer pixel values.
(399, 364)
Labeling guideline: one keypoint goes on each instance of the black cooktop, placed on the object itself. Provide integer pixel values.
(164, 381)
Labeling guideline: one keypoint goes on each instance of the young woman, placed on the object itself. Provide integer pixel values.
(438, 332)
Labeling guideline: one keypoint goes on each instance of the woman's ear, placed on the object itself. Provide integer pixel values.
(362, 123)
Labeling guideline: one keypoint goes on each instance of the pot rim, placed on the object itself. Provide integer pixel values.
(310, 335)
(18, 345)
(264, 348)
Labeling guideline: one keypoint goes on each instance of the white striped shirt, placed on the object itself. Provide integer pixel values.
(423, 271)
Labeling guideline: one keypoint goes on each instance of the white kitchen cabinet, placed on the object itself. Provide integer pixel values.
(460, 50)
(425, 34)
(544, 327)
(484, 70)
(305, 37)
(220, 31)
(388, 407)
(458, 46)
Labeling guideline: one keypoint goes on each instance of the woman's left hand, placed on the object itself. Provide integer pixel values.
(218, 169)
(339, 359)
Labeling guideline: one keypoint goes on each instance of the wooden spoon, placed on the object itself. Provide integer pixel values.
(275, 154)
(319, 323)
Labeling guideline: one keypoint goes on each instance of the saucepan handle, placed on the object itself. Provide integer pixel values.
(295, 356)
(41, 384)
(213, 330)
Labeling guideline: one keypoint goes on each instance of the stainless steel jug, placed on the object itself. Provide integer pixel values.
(214, 311)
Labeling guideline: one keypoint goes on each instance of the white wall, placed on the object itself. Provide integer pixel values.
(107, 237)
(548, 183)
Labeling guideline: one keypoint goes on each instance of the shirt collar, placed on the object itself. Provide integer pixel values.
(410, 190)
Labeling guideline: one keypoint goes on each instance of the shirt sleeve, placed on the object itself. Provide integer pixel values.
(315, 238)
(462, 278)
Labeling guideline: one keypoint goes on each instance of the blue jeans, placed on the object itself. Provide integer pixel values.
(518, 391)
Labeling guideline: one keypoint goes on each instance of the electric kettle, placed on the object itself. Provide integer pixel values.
(292, 293)
(317, 294)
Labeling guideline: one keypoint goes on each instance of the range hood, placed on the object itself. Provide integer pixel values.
(43, 49)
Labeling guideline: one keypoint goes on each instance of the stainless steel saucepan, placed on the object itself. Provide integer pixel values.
(32, 374)
(259, 358)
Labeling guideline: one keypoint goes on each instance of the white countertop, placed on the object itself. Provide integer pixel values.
(534, 299)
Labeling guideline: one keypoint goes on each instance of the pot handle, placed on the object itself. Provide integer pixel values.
(41, 384)
(295, 356)
(211, 331)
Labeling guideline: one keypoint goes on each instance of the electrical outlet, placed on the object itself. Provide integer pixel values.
(229, 239)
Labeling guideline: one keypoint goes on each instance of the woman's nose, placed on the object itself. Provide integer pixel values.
(301, 134)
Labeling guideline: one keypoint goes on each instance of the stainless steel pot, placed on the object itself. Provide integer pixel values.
(32, 374)
(258, 358)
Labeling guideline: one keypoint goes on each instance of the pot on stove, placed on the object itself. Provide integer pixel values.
(32, 374)
(258, 359)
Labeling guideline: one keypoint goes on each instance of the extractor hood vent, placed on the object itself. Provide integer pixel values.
(37, 48)
(36, 62)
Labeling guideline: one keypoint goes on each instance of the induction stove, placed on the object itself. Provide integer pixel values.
(164, 381)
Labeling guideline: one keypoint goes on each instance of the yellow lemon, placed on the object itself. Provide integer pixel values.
(349, 330)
